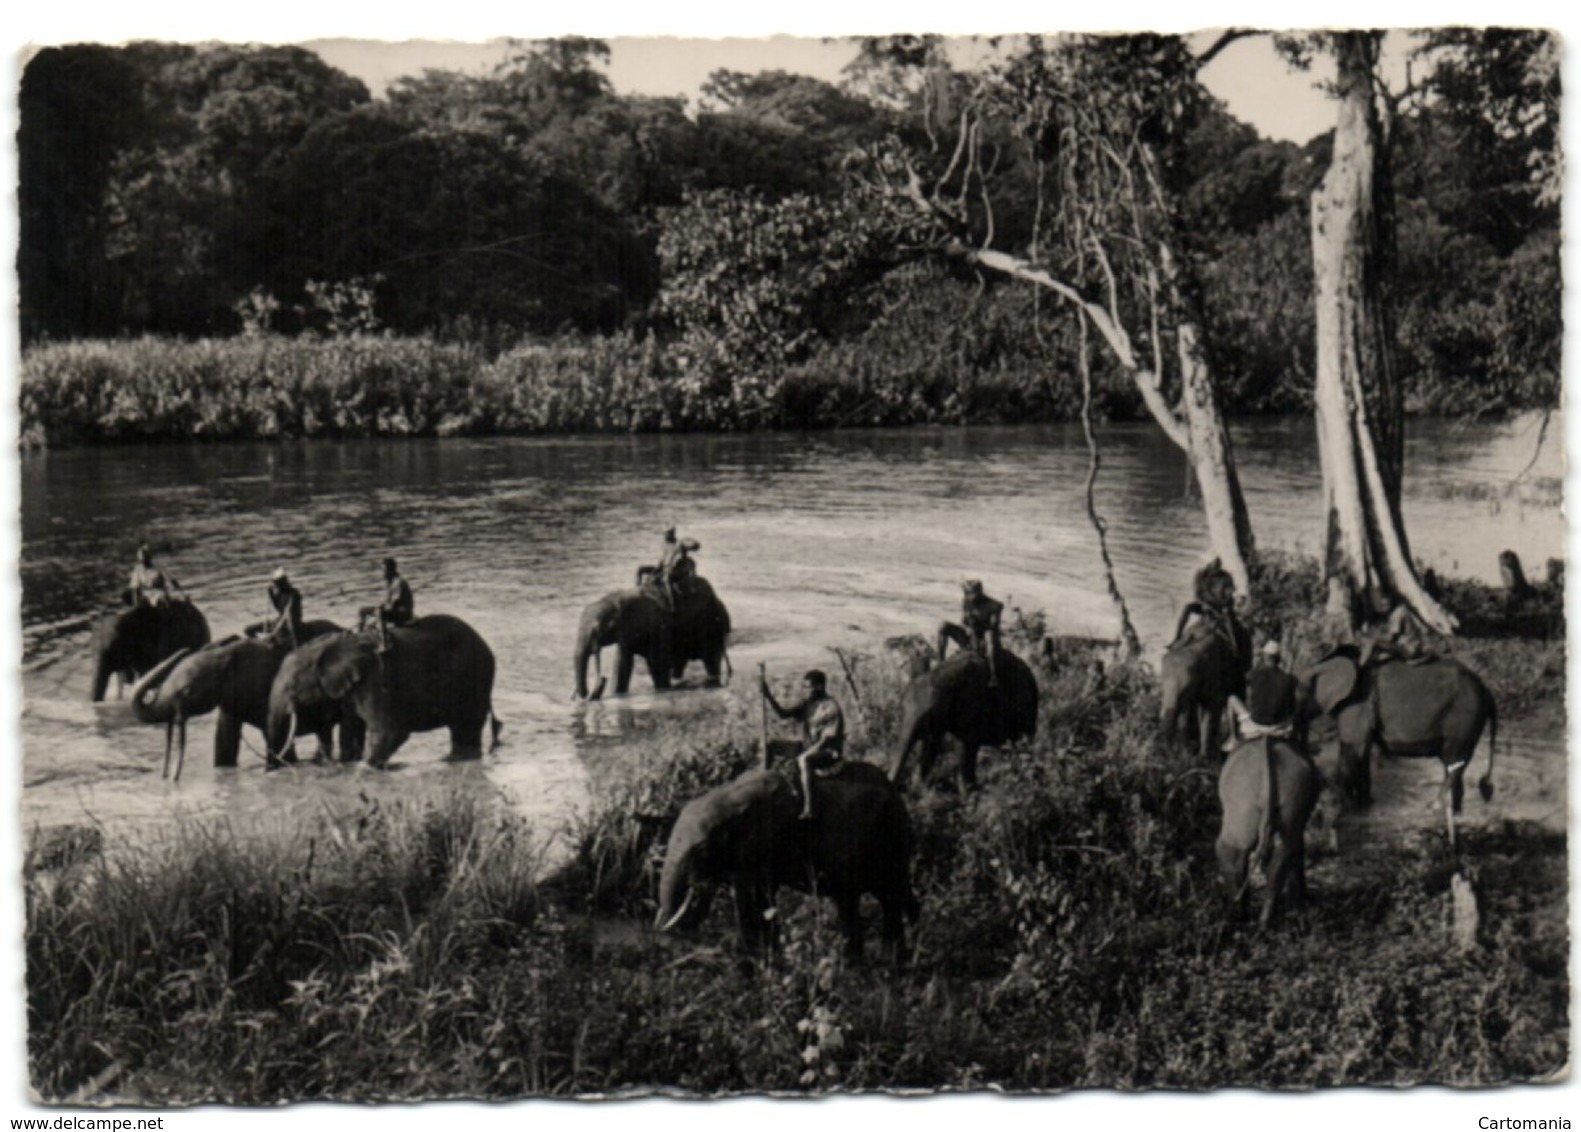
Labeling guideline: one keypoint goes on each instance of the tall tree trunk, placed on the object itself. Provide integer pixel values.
(1198, 429)
(1360, 413)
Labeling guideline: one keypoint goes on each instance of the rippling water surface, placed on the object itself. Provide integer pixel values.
(813, 541)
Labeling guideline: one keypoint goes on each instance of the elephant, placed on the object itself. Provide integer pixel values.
(1197, 677)
(233, 675)
(637, 623)
(1434, 706)
(955, 699)
(130, 641)
(1268, 789)
(437, 672)
(747, 833)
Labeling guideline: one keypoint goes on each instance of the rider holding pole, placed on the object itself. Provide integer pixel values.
(823, 730)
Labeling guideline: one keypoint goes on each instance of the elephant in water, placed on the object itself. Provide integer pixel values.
(130, 641)
(1268, 790)
(1434, 707)
(746, 833)
(233, 676)
(638, 623)
(437, 672)
(955, 699)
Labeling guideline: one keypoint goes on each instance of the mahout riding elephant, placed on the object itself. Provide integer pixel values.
(130, 641)
(638, 623)
(235, 676)
(1268, 790)
(1432, 707)
(437, 672)
(955, 699)
(746, 833)
(1197, 677)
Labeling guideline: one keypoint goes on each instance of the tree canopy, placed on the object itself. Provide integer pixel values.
(162, 185)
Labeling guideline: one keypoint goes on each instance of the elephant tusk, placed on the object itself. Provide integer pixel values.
(290, 737)
(669, 925)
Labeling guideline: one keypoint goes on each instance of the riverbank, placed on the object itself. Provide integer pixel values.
(266, 387)
(1071, 936)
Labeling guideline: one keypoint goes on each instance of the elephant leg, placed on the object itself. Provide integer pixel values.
(383, 744)
(466, 740)
(1233, 860)
(931, 744)
(894, 909)
(661, 662)
(1298, 871)
(227, 739)
(1277, 877)
(757, 933)
(625, 659)
(714, 666)
(850, 906)
(1352, 769)
(968, 766)
(353, 737)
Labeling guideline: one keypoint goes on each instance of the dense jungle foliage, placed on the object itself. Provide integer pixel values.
(741, 256)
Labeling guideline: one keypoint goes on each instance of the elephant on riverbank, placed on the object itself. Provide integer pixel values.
(637, 623)
(1433, 708)
(234, 676)
(746, 833)
(1197, 676)
(130, 641)
(437, 672)
(1267, 792)
(955, 699)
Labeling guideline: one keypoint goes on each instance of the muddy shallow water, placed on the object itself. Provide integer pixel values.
(814, 542)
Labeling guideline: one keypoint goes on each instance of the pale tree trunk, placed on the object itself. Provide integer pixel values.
(1198, 428)
(1360, 415)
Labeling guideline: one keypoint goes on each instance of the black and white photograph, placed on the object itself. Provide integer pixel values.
(1021, 559)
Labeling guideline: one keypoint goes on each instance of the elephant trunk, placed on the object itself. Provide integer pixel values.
(147, 703)
(679, 905)
(101, 677)
(587, 650)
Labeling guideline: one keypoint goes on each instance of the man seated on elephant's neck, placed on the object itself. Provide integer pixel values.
(398, 607)
(148, 583)
(676, 568)
(979, 628)
(1402, 638)
(823, 731)
(1271, 701)
(285, 607)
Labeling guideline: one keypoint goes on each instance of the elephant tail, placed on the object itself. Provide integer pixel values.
(1265, 829)
(730, 669)
(496, 725)
(1485, 784)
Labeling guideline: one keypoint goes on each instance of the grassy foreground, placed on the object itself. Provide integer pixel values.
(1072, 935)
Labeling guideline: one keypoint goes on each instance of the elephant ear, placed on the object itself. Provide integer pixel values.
(1332, 681)
(741, 801)
(343, 666)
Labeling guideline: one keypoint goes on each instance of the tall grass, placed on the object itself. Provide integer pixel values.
(1073, 934)
(263, 386)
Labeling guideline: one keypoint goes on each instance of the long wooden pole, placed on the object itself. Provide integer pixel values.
(763, 712)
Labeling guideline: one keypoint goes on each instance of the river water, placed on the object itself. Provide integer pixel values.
(814, 542)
